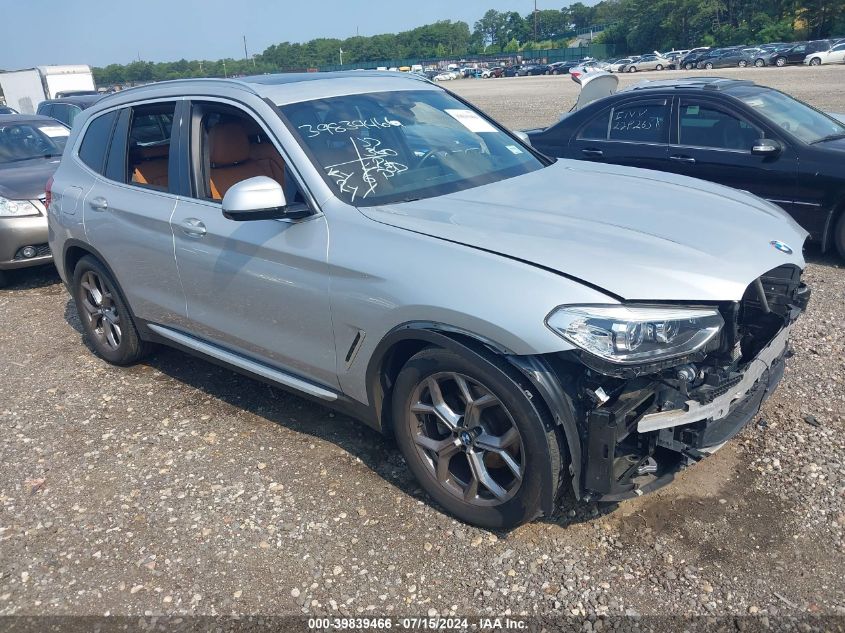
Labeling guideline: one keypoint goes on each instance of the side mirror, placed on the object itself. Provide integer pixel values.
(766, 147)
(522, 136)
(259, 198)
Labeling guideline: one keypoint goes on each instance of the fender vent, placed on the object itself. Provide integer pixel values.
(353, 349)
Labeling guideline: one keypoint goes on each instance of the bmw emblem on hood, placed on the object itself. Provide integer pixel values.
(783, 248)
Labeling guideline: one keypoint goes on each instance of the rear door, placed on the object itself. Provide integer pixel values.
(127, 212)
(712, 140)
(633, 132)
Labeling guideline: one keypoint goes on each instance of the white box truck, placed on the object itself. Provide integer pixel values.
(25, 89)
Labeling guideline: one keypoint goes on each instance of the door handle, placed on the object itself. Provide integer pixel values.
(592, 153)
(99, 204)
(689, 160)
(193, 227)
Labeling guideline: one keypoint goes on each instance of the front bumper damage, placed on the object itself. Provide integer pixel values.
(638, 429)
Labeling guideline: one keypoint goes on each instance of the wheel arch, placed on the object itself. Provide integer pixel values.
(401, 343)
(829, 236)
(73, 251)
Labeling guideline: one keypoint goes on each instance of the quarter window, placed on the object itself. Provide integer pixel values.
(704, 125)
(92, 152)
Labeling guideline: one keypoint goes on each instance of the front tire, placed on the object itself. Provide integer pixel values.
(743, 63)
(759, 63)
(816, 61)
(105, 317)
(632, 69)
(473, 439)
(689, 66)
(658, 67)
(780, 62)
(708, 66)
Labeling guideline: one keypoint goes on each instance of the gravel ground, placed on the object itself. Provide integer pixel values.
(177, 487)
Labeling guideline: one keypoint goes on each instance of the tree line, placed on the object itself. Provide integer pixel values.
(632, 26)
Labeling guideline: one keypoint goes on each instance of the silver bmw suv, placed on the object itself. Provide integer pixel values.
(532, 332)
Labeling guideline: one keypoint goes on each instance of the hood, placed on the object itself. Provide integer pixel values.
(27, 179)
(637, 234)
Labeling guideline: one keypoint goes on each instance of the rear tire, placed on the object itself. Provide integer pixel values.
(632, 69)
(839, 236)
(105, 317)
(658, 67)
(689, 66)
(473, 439)
(708, 66)
(743, 63)
(780, 62)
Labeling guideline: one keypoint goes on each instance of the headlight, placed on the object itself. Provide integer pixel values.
(16, 208)
(636, 334)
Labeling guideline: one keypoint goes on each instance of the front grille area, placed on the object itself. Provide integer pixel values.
(41, 250)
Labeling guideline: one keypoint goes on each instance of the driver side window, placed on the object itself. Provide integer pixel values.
(232, 147)
(707, 125)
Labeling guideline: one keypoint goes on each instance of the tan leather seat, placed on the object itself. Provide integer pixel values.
(150, 166)
(232, 159)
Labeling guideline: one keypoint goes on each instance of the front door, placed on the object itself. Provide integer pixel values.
(258, 288)
(714, 142)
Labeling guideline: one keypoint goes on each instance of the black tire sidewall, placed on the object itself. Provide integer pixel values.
(539, 438)
(131, 348)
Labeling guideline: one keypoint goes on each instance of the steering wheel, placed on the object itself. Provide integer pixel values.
(429, 154)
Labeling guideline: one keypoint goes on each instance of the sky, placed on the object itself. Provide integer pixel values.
(101, 32)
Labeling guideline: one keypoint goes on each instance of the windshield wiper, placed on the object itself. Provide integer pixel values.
(829, 137)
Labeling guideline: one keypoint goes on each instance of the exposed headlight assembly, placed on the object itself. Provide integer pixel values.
(628, 334)
(16, 208)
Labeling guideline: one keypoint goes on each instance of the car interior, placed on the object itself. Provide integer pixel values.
(232, 148)
(701, 126)
(237, 149)
(149, 145)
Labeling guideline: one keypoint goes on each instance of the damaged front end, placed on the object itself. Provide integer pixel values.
(638, 424)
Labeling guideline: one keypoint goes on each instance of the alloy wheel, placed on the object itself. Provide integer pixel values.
(467, 439)
(101, 310)
(815, 61)
(780, 62)
(743, 63)
(759, 63)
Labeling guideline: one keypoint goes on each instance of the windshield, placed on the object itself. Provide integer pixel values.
(24, 141)
(795, 117)
(386, 147)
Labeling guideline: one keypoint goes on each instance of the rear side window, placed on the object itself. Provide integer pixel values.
(95, 144)
(148, 151)
(644, 122)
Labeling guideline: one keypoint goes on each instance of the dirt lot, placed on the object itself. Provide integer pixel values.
(176, 487)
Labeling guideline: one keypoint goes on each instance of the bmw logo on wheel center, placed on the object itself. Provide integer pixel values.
(783, 248)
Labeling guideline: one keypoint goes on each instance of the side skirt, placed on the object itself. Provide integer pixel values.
(259, 371)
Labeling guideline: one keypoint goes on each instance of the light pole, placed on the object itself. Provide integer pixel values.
(535, 21)
(341, 57)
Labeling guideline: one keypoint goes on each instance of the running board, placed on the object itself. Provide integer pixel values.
(241, 362)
